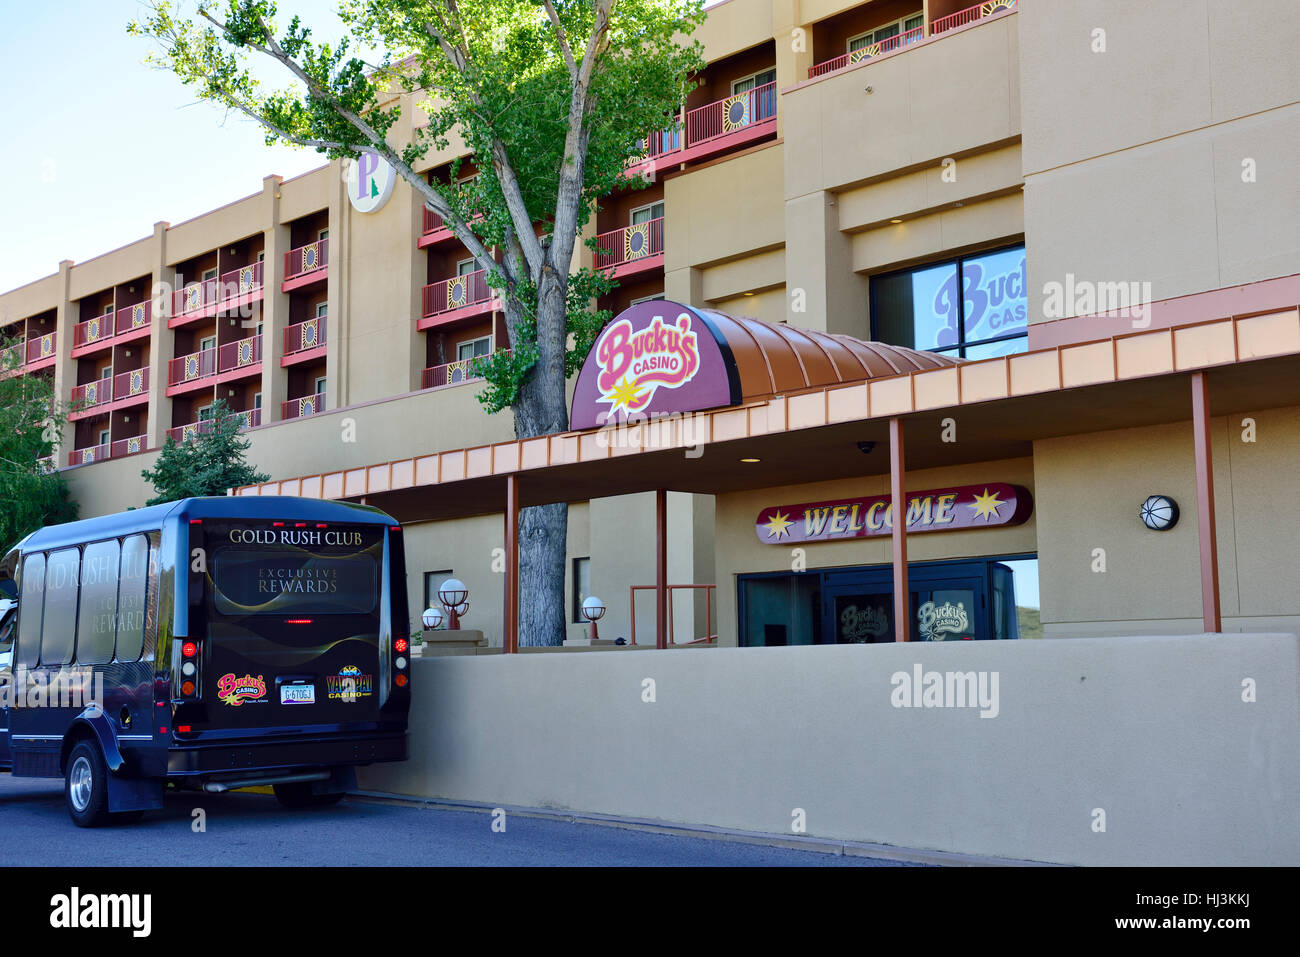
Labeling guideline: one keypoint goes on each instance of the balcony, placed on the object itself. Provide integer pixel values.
(94, 453)
(711, 129)
(304, 341)
(93, 330)
(132, 384)
(86, 400)
(134, 319)
(872, 51)
(434, 230)
(306, 265)
(457, 298)
(451, 373)
(131, 446)
(249, 419)
(631, 249)
(306, 405)
(204, 299)
(970, 15)
(238, 359)
(191, 368)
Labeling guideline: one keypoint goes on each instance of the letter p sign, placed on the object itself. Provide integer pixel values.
(370, 182)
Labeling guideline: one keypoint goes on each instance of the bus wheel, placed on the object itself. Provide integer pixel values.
(85, 785)
(299, 794)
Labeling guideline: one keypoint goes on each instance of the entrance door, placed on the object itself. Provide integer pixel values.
(946, 603)
(858, 612)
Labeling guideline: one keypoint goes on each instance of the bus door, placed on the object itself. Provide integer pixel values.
(290, 616)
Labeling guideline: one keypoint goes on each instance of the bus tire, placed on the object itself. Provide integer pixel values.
(298, 794)
(85, 786)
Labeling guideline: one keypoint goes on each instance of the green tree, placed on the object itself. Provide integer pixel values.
(32, 493)
(208, 464)
(551, 98)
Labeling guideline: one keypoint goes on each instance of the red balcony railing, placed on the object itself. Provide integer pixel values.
(456, 293)
(95, 453)
(195, 297)
(198, 296)
(871, 51)
(432, 221)
(660, 143)
(731, 115)
(306, 405)
(134, 317)
(619, 247)
(91, 394)
(13, 357)
(196, 365)
(41, 347)
(130, 383)
(302, 336)
(306, 259)
(241, 354)
(249, 418)
(450, 373)
(94, 329)
(241, 281)
(970, 15)
(136, 443)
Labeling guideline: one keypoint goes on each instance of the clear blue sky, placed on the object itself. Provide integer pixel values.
(99, 147)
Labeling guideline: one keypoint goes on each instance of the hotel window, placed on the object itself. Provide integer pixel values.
(322, 310)
(920, 308)
(261, 256)
(257, 400)
(644, 214)
(765, 107)
(880, 34)
(474, 348)
(465, 267)
(431, 582)
(204, 414)
(319, 385)
(322, 235)
(209, 274)
(105, 436)
(581, 587)
(207, 343)
(106, 372)
(108, 310)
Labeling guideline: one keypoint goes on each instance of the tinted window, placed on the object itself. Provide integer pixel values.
(30, 606)
(62, 578)
(131, 596)
(97, 624)
(278, 581)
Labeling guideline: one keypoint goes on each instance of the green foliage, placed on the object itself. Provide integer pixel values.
(208, 464)
(32, 494)
(551, 129)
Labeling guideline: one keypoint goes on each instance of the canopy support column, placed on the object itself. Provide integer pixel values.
(1213, 621)
(661, 568)
(510, 620)
(902, 612)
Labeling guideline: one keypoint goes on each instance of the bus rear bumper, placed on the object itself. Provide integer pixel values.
(203, 760)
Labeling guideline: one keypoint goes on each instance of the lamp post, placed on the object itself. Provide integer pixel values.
(455, 598)
(593, 609)
(432, 618)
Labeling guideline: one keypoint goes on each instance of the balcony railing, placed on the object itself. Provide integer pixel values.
(131, 383)
(731, 115)
(94, 329)
(619, 247)
(302, 336)
(306, 405)
(432, 221)
(197, 296)
(136, 443)
(249, 418)
(660, 143)
(98, 392)
(196, 365)
(95, 453)
(134, 317)
(869, 52)
(451, 373)
(456, 293)
(970, 15)
(41, 347)
(306, 259)
(13, 357)
(241, 354)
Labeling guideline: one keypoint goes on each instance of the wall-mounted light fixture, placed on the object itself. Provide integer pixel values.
(1159, 513)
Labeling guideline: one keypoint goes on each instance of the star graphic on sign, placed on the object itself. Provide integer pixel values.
(778, 525)
(986, 506)
(624, 394)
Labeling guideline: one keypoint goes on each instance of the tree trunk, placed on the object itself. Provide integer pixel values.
(543, 529)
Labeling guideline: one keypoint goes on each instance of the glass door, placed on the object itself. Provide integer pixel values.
(947, 605)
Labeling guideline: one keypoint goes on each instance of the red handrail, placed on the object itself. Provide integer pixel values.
(132, 382)
(970, 15)
(871, 51)
(93, 453)
(241, 281)
(194, 297)
(42, 347)
(302, 406)
(94, 329)
(97, 392)
(455, 293)
(304, 335)
(737, 112)
(130, 318)
(452, 373)
(183, 433)
(241, 354)
(307, 259)
(129, 446)
(196, 365)
(708, 612)
(432, 222)
(630, 243)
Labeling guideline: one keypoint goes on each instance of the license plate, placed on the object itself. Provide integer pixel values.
(297, 694)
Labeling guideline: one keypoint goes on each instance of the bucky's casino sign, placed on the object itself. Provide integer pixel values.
(656, 358)
(938, 510)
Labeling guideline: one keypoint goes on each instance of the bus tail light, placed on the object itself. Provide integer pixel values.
(191, 656)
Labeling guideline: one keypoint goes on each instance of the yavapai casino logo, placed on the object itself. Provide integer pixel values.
(349, 685)
(634, 366)
(235, 691)
(935, 621)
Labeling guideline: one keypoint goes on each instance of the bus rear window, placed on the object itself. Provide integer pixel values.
(286, 580)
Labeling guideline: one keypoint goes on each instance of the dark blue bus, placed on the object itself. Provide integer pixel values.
(210, 643)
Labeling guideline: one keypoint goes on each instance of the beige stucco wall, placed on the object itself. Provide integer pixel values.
(1089, 489)
(1140, 149)
(738, 550)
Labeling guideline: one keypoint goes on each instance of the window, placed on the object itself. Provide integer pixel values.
(474, 348)
(7, 635)
(319, 385)
(920, 308)
(204, 414)
(209, 274)
(257, 400)
(261, 257)
(106, 372)
(748, 83)
(58, 631)
(97, 624)
(581, 587)
(322, 235)
(105, 436)
(207, 343)
(322, 310)
(465, 267)
(646, 213)
(880, 34)
(31, 607)
(432, 581)
(108, 310)
(139, 566)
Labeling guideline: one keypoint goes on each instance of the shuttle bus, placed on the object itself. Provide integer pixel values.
(210, 643)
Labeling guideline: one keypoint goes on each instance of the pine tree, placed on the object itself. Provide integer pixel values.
(209, 464)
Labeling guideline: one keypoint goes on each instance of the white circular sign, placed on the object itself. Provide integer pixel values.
(370, 183)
